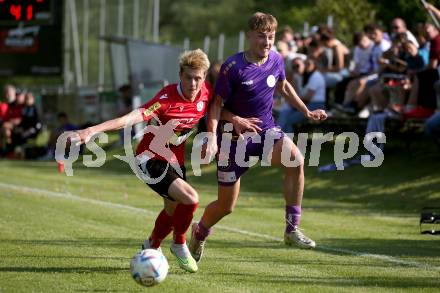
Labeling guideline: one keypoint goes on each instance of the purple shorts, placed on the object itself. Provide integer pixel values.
(233, 161)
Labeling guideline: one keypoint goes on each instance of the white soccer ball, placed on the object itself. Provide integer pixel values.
(149, 267)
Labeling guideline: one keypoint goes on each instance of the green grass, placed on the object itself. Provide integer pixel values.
(364, 220)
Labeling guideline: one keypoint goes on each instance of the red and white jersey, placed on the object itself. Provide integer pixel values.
(169, 103)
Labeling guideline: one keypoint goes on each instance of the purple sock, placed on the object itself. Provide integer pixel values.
(202, 232)
(293, 216)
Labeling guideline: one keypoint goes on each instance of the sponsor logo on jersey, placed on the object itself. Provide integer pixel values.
(151, 109)
(200, 106)
(164, 96)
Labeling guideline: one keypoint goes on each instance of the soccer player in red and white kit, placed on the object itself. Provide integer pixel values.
(183, 105)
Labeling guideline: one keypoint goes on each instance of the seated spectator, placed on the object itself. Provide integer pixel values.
(391, 92)
(313, 94)
(357, 89)
(9, 95)
(317, 52)
(398, 26)
(361, 61)
(423, 43)
(11, 120)
(63, 125)
(287, 36)
(336, 70)
(422, 99)
(30, 125)
(288, 56)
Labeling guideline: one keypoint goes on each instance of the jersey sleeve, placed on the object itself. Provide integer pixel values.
(155, 107)
(223, 86)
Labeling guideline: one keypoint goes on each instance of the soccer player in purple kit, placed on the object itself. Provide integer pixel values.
(246, 85)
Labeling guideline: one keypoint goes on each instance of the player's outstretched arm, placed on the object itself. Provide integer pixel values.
(118, 123)
(287, 90)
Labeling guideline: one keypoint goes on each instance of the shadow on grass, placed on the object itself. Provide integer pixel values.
(75, 270)
(329, 281)
(389, 247)
(81, 242)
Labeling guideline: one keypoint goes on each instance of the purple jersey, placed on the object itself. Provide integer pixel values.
(247, 89)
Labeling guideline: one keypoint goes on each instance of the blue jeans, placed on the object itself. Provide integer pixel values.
(432, 126)
(289, 116)
(333, 78)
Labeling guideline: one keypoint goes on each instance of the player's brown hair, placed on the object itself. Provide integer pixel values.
(262, 22)
(195, 59)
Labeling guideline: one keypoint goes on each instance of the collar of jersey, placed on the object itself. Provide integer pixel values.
(179, 91)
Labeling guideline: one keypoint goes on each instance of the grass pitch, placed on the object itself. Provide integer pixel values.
(77, 234)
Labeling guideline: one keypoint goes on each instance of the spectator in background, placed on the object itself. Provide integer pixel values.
(288, 56)
(398, 26)
(317, 52)
(362, 64)
(336, 70)
(392, 92)
(423, 43)
(287, 36)
(30, 125)
(422, 99)
(63, 125)
(12, 119)
(312, 94)
(357, 90)
(9, 95)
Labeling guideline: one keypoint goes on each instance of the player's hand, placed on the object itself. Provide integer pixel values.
(317, 115)
(81, 136)
(209, 149)
(242, 125)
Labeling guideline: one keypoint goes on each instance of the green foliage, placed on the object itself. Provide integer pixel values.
(196, 19)
(411, 11)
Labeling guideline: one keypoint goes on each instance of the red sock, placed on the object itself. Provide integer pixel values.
(162, 227)
(182, 218)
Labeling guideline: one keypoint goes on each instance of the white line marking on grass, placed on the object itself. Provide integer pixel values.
(44, 192)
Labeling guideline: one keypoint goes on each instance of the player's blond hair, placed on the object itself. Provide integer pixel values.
(262, 22)
(195, 59)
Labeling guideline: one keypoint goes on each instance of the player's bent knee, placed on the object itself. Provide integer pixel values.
(191, 198)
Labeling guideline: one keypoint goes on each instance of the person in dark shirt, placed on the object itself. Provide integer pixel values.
(30, 125)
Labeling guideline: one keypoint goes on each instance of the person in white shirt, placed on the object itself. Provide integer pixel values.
(398, 26)
(312, 93)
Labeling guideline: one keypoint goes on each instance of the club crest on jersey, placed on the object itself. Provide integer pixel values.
(271, 80)
(200, 106)
(151, 109)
